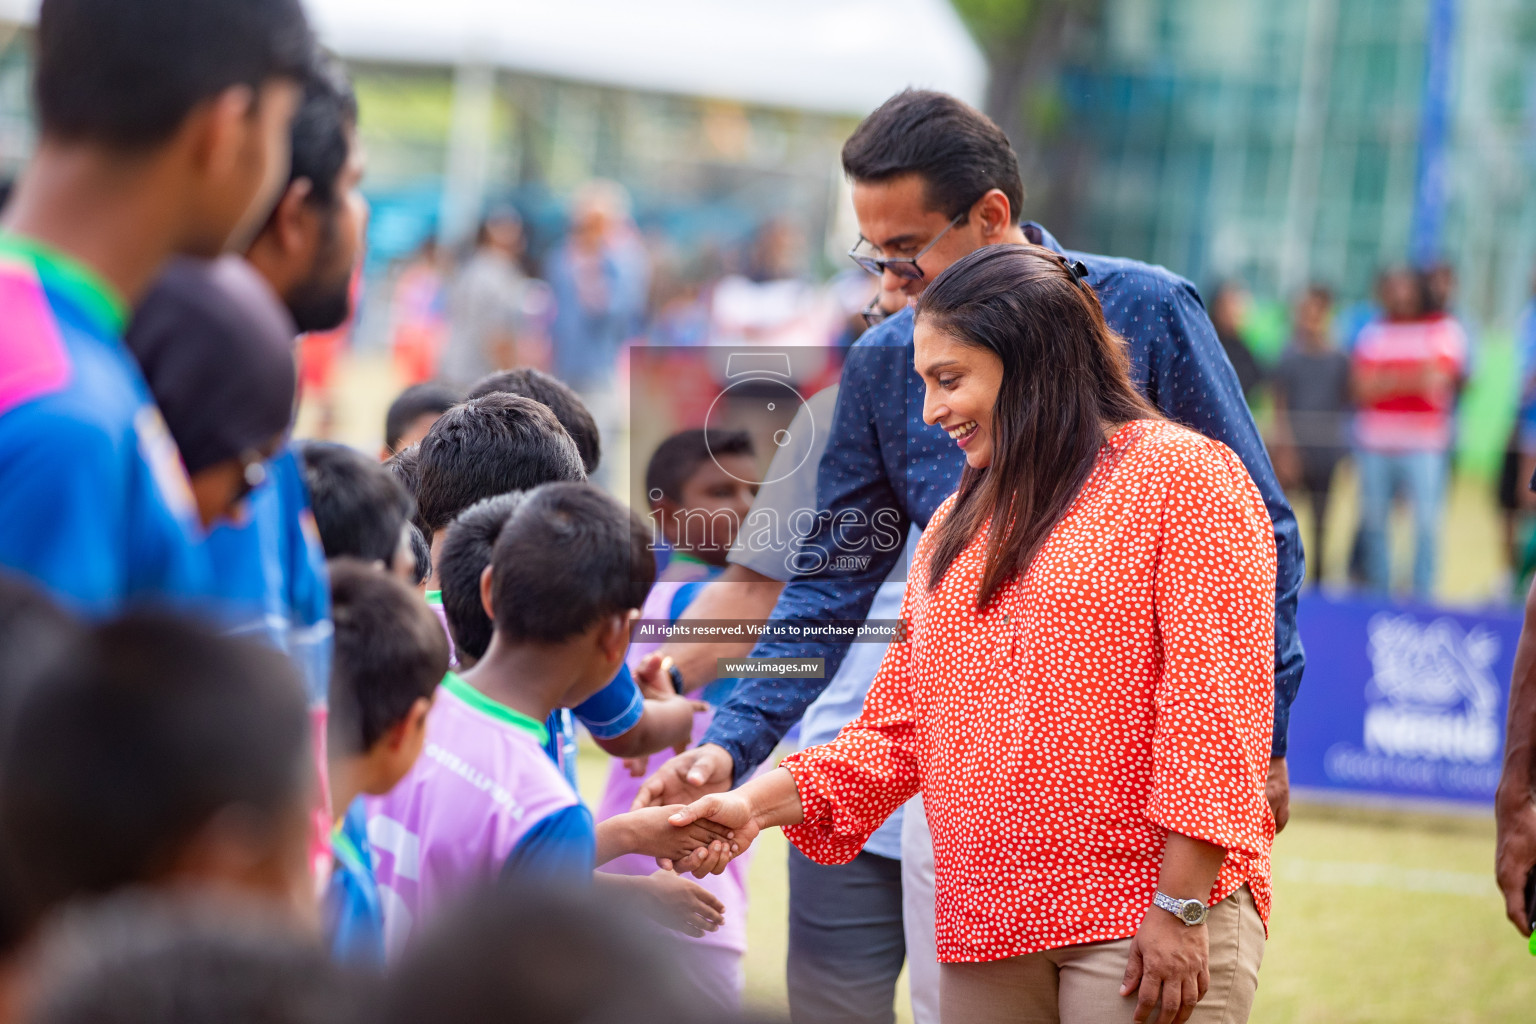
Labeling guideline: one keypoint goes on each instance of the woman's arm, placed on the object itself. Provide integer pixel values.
(1169, 965)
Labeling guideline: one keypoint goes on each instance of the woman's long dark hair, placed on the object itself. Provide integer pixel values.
(1066, 379)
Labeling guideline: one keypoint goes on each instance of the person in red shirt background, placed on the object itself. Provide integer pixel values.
(1406, 371)
(1084, 695)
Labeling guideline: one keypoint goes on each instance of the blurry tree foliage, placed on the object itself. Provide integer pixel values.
(1026, 43)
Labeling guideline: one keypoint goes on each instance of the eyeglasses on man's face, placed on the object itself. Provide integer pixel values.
(904, 267)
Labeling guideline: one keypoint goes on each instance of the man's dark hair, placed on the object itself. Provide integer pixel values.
(956, 149)
(416, 401)
(461, 561)
(144, 958)
(518, 953)
(124, 751)
(390, 652)
(321, 136)
(127, 75)
(567, 406)
(679, 456)
(569, 555)
(489, 446)
(360, 507)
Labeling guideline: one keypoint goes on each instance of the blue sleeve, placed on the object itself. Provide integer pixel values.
(683, 598)
(613, 710)
(560, 848)
(853, 492)
(1192, 381)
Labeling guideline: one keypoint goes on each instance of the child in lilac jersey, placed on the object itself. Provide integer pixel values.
(694, 481)
(568, 572)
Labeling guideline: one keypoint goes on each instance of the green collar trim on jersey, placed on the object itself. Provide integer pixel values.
(494, 709)
(71, 278)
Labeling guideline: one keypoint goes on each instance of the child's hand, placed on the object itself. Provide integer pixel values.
(636, 766)
(682, 905)
(730, 813)
(652, 833)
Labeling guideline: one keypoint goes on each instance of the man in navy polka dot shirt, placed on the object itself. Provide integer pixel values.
(933, 179)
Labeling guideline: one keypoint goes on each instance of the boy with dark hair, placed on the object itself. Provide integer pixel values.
(413, 412)
(361, 510)
(698, 485)
(390, 656)
(159, 754)
(163, 129)
(567, 406)
(570, 570)
(153, 959)
(489, 446)
(618, 720)
(216, 349)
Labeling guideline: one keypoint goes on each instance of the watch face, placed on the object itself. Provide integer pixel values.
(1192, 913)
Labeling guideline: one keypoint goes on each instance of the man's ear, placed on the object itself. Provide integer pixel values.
(485, 593)
(994, 214)
(217, 128)
(292, 226)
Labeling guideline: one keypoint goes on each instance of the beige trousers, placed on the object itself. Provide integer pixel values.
(1081, 984)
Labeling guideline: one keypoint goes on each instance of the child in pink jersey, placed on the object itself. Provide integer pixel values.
(567, 575)
(700, 491)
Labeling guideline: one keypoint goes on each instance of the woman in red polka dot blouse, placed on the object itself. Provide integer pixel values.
(1084, 696)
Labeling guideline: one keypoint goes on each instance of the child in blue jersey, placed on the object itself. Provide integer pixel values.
(570, 568)
(162, 130)
(499, 443)
(390, 657)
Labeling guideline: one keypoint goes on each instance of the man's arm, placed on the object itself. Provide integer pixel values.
(1515, 804)
(862, 522)
(738, 594)
(1192, 381)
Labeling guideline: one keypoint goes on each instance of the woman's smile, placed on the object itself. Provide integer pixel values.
(963, 433)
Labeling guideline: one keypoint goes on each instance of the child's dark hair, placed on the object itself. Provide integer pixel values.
(124, 751)
(490, 446)
(679, 456)
(428, 398)
(405, 466)
(515, 953)
(390, 652)
(461, 561)
(145, 958)
(567, 406)
(359, 506)
(35, 636)
(569, 555)
(421, 552)
(127, 75)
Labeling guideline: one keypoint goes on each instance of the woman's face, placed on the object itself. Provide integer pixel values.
(961, 381)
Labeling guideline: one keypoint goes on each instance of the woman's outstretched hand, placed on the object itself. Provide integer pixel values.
(1169, 969)
(726, 812)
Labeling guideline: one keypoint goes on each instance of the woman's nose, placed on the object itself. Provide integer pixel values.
(933, 410)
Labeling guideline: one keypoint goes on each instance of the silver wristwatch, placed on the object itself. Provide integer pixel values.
(1191, 912)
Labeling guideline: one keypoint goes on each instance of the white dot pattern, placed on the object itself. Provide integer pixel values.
(1121, 689)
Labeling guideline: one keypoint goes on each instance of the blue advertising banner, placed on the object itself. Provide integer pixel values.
(1401, 700)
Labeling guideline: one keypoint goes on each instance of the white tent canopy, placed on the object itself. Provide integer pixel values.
(836, 56)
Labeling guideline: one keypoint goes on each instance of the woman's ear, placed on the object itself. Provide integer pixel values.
(485, 594)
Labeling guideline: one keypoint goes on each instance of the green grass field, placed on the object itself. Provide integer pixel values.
(1378, 917)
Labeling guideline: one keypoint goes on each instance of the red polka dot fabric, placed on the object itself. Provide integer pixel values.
(1121, 689)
